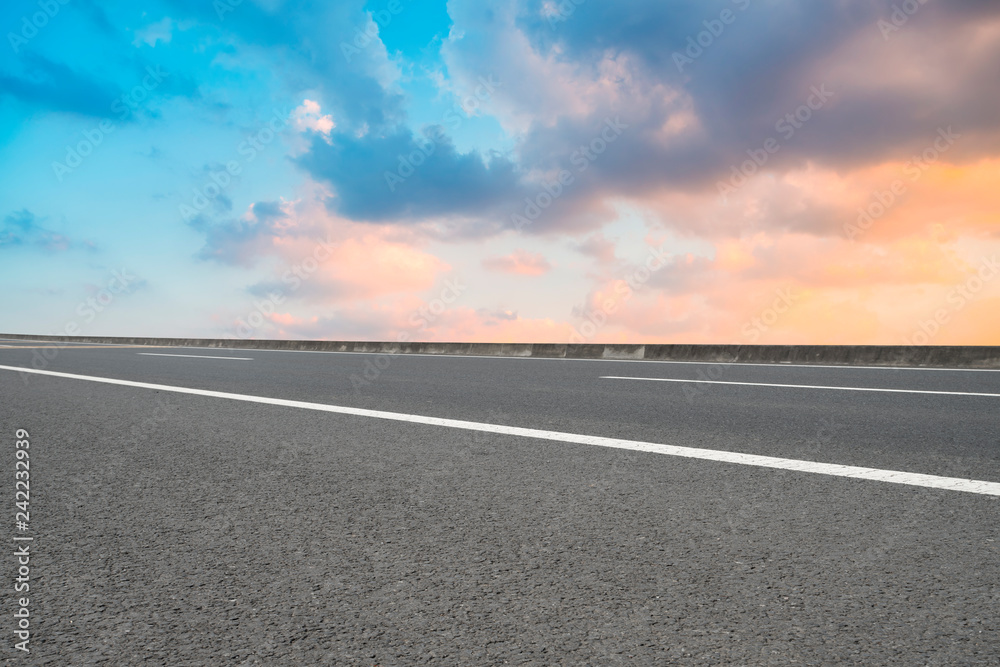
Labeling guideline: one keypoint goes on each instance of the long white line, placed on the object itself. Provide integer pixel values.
(61, 343)
(779, 364)
(833, 469)
(803, 386)
(193, 356)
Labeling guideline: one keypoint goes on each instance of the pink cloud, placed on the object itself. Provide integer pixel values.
(776, 236)
(519, 262)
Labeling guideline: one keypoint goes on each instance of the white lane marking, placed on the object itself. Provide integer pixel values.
(802, 386)
(833, 469)
(62, 343)
(781, 364)
(193, 356)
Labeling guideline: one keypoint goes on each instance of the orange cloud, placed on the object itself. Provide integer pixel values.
(782, 270)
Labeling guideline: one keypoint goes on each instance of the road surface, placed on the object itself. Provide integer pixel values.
(252, 507)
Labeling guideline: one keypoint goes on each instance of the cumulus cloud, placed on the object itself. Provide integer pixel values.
(378, 177)
(885, 96)
(242, 241)
(359, 90)
(309, 116)
(682, 131)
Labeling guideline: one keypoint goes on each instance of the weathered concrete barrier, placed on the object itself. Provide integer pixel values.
(941, 356)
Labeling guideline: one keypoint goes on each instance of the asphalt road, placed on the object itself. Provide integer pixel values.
(184, 529)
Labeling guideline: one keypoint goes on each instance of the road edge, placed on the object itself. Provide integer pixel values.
(938, 356)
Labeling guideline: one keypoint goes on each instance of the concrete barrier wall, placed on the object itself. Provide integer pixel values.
(864, 355)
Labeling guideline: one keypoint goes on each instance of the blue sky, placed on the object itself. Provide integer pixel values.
(209, 149)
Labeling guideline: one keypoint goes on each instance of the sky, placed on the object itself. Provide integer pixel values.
(584, 171)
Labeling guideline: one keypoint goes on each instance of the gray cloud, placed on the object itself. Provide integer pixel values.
(23, 229)
(392, 176)
(240, 241)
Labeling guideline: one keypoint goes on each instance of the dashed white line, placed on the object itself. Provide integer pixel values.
(737, 364)
(193, 356)
(803, 386)
(832, 469)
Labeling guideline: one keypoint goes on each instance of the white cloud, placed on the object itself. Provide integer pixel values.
(309, 116)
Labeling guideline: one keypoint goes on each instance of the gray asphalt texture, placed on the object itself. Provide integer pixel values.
(185, 530)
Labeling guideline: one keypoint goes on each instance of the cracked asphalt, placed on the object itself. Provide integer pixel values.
(173, 529)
